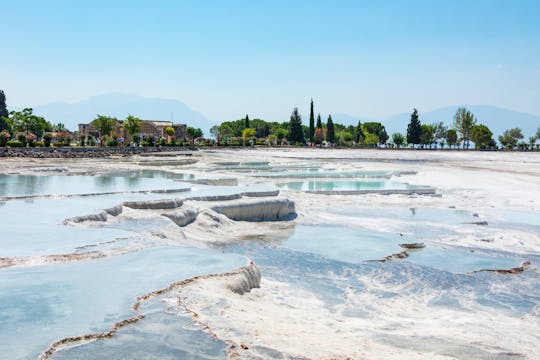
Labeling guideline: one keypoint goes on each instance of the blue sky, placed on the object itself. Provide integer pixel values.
(226, 59)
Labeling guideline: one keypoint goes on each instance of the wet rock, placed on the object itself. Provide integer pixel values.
(413, 245)
(517, 270)
(182, 217)
(154, 204)
(257, 209)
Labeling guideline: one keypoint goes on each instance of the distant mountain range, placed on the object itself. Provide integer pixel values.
(496, 118)
(121, 105)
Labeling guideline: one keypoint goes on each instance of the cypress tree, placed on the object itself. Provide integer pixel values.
(330, 134)
(296, 134)
(246, 123)
(359, 133)
(311, 123)
(3, 111)
(319, 122)
(414, 130)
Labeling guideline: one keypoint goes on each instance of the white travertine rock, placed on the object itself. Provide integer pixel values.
(183, 217)
(260, 209)
(154, 204)
(246, 278)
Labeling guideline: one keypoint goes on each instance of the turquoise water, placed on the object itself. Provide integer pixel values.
(325, 173)
(41, 304)
(34, 185)
(355, 246)
(344, 185)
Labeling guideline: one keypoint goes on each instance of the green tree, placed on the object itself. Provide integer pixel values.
(319, 122)
(481, 136)
(281, 134)
(414, 129)
(371, 140)
(439, 131)
(532, 141)
(4, 114)
(398, 139)
(248, 134)
(464, 121)
(132, 125)
(295, 127)
(311, 123)
(194, 133)
(25, 121)
(214, 131)
(246, 122)
(169, 130)
(359, 133)
(377, 129)
(60, 127)
(104, 124)
(427, 135)
(451, 137)
(510, 137)
(538, 133)
(330, 133)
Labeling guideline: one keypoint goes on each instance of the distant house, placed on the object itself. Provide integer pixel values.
(153, 128)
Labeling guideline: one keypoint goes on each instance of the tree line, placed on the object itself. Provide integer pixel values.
(24, 128)
(464, 130)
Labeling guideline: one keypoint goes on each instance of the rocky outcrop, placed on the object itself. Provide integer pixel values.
(182, 217)
(261, 193)
(263, 209)
(412, 246)
(101, 216)
(517, 270)
(154, 204)
(245, 279)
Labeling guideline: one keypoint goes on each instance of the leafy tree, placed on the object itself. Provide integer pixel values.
(482, 137)
(104, 124)
(246, 122)
(330, 134)
(295, 127)
(170, 133)
(398, 139)
(26, 121)
(281, 134)
(132, 125)
(532, 141)
(47, 140)
(194, 133)
(371, 139)
(248, 134)
(60, 127)
(439, 131)
(344, 137)
(451, 137)
(377, 129)
(311, 123)
(510, 138)
(464, 121)
(214, 131)
(359, 133)
(427, 135)
(414, 129)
